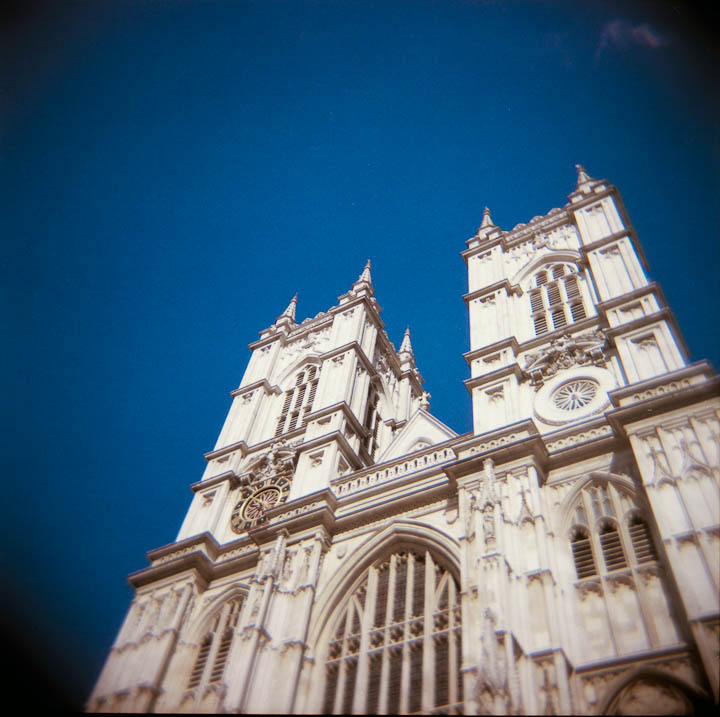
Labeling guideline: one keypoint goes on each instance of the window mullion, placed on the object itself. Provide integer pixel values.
(428, 696)
(405, 673)
(342, 667)
(366, 623)
(453, 667)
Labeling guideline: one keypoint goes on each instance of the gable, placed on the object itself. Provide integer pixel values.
(421, 431)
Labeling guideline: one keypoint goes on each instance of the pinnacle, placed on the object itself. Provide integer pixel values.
(406, 345)
(289, 313)
(365, 276)
(486, 220)
(582, 176)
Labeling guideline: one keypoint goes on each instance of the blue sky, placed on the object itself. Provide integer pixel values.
(173, 172)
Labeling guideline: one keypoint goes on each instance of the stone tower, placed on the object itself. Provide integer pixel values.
(345, 551)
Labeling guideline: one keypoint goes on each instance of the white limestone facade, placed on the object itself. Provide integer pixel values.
(347, 552)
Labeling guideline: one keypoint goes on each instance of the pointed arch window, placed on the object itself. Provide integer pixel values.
(609, 532)
(395, 645)
(298, 401)
(214, 648)
(556, 300)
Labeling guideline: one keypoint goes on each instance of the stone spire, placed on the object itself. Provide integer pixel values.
(406, 346)
(287, 318)
(365, 276)
(487, 227)
(486, 220)
(405, 353)
(290, 311)
(584, 180)
(363, 285)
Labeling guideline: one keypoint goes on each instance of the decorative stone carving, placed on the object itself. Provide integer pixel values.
(564, 352)
(264, 487)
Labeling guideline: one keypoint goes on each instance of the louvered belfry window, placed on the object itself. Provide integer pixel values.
(298, 401)
(642, 543)
(395, 646)
(609, 532)
(583, 554)
(555, 300)
(214, 648)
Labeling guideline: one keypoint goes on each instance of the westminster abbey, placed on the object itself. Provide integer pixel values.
(347, 552)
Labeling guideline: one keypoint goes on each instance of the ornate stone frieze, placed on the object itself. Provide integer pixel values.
(565, 352)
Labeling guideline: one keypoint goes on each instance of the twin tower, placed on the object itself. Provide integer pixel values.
(347, 552)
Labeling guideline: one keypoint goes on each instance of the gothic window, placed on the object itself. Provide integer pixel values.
(401, 625)
(209, 665)
(602, 542)
(556, 300)
(298, 401)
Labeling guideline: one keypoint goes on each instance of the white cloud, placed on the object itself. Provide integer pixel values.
(620, 33)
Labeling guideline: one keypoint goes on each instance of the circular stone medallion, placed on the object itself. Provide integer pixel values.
(574, 394)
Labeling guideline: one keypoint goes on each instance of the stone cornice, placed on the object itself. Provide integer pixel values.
(650, 399)
(510, 342)
(345, 447)
(229, 476)
(580, 441)
(192, 556)
(491, 289)
(609, 239)
(269, 335)
(261, 383)
(329, 410)
(665, 314)
(509, 370)
(219, 452)
(649, 288)
(373, 310)
(591, 322)
(518, 440)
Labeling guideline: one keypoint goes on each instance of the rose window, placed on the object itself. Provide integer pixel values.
(575, 394)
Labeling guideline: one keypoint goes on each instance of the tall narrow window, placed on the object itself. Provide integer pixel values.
(583, 554)
(558, 302)
(298, 401)
(612, 548)
(214, 648)
(379, 665)
(642, 543)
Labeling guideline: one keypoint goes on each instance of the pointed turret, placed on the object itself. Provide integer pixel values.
(406, 346)
(405, 353)
(364, 282)
(365, 276)
(582, 176)
(486, 220)
(290, 311)
(585, 184)
(287, 318)
(485, 230)
(487, 225)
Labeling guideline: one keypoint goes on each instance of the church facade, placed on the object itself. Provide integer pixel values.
(347, 552)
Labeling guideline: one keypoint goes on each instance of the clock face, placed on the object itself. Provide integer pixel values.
(256, 505)
(250, 512)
